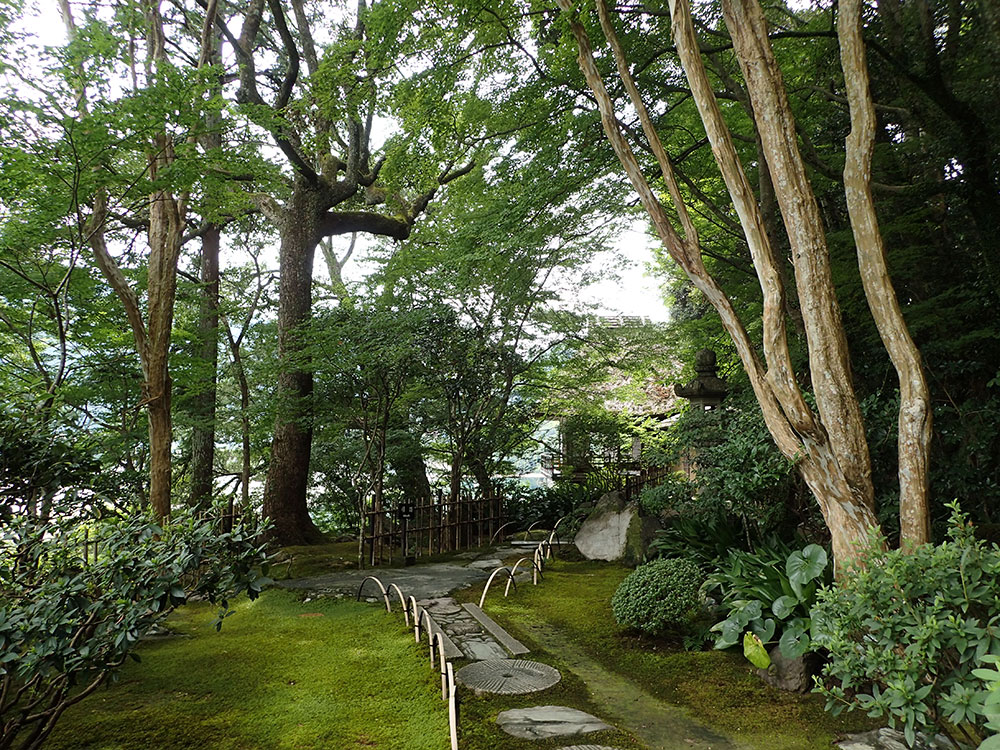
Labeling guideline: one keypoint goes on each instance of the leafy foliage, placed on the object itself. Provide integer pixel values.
(546, 505)
(658, 596)
(739, 472)
(676, 491)
(908, 631)
(706, 541)
(769, 593)
(68, 618)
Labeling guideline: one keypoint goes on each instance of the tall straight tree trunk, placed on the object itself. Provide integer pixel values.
(203, 433)
(166, 227)
(285, 492)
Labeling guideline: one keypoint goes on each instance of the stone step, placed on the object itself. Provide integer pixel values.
(508, 641)
(451, 651)
(547, 722)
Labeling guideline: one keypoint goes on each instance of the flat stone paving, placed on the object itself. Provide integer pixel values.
(544, 722)
(508, 676)
(420, 581)
(430, 585)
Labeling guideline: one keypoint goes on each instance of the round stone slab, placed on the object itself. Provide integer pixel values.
(543, 722)
(589, 747)
(508, 676)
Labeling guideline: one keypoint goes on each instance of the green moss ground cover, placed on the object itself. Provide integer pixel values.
(478, 729)
(281, 674)
(573, 603)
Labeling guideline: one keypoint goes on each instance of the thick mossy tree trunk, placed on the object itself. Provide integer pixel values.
(203, 432)
(286, 489)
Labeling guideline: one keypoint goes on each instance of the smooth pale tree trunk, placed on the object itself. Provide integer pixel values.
(829, 360)
(915, 429)
(839, 477)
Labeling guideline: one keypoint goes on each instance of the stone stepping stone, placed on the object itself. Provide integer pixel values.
(589, 747)
(544, 722)
(891, 739)
(508, 641)
(508, 677)
(482, 649)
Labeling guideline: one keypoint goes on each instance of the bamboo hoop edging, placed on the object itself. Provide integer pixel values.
(427, 624)
(530, 527)
(497, 532)
(493, 575)
(385, 593)
(402, 603)
(452, 708)
(415, 613)
(536, 573)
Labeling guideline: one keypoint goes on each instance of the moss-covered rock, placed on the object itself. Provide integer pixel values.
(616, 530)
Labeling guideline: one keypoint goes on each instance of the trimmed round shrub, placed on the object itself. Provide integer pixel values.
(658, 596)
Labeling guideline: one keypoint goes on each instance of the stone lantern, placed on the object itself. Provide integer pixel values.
(707, 390)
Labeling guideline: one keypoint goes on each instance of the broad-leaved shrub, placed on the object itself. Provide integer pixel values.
(908, 634)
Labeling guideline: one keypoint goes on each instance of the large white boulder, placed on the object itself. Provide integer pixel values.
(614, 530)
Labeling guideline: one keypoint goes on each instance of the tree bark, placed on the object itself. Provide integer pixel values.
(797, 432)
(829, 360)
(286, 489)
(915, 429)
(166, 227)
(203, 432)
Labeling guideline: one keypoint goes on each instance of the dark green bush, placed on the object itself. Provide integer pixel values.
(659, 596)
(705, 541)
(71, 614)
(908, 633)
(672, 494)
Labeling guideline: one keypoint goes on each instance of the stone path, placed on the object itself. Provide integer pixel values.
(430, 585)
(420, 581)
(470, 637)
(545, 722)
(508, 676)
(660, 726)
(891, 739)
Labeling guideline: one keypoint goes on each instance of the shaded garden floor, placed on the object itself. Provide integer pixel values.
(337, 674)
(569, 614)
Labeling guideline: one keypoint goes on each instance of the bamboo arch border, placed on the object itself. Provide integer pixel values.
(421, 619)
(536, 573)
(382, 588)
(543, 552)
(494, 574)
(497, 532)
